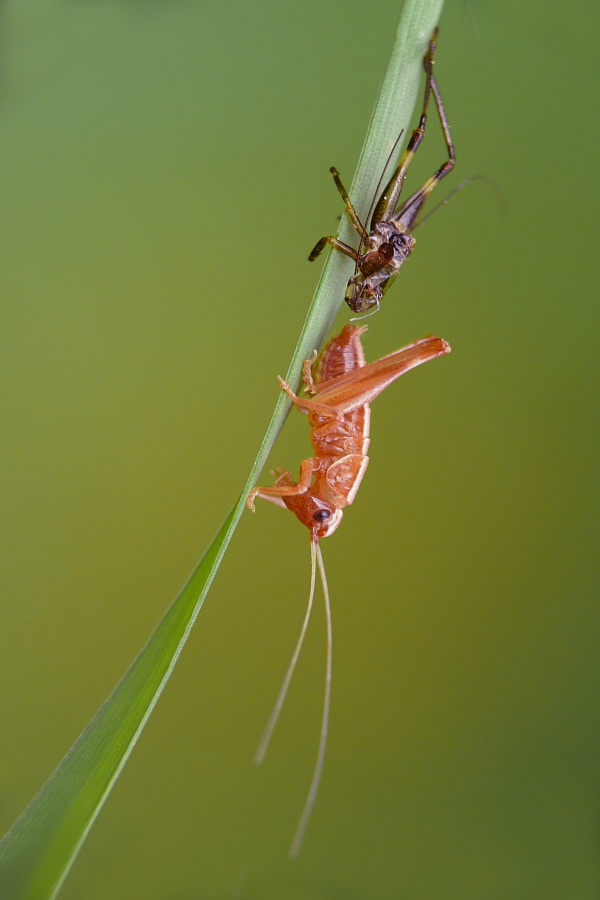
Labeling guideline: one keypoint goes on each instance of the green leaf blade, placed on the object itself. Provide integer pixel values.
(39, 849)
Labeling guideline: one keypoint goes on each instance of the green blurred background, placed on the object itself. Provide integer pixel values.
(163, 175)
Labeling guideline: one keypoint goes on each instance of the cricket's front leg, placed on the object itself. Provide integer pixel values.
(285, 486)
(307, 372)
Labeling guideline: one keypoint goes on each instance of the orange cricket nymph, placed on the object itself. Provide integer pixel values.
(342, 386)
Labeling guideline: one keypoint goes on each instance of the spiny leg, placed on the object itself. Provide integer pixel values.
(347, 201)
(408, 214)
(330, 239)
(386, 204)
(346, 249)
(443, 119)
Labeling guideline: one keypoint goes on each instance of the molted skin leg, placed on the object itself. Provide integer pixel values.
(384, 210)
(330, 239)
(347, 201)
(339, 245)
(406, 217)
(378, 259)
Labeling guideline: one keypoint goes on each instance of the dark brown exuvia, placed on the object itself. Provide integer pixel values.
(387, 241)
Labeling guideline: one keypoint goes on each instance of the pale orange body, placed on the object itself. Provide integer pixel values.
(342, 386)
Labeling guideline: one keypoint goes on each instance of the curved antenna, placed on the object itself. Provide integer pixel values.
(367, 314)
(474, 26)
(381, 177)
(367, 218)
(268, 732)
(318, 771)
(463, 184)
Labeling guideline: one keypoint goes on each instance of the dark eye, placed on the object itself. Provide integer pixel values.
(322, 515)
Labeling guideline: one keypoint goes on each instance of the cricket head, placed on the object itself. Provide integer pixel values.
(362, 293)
(378, 267)
(319, 516)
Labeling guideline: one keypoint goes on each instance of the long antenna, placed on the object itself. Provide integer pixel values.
(268, 732)
(458, 188)
(367, 219)
(314, 785)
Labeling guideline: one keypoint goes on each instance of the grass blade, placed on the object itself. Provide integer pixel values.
(39, 849)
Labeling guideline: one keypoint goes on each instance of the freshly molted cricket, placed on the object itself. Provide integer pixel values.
(341, 386)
